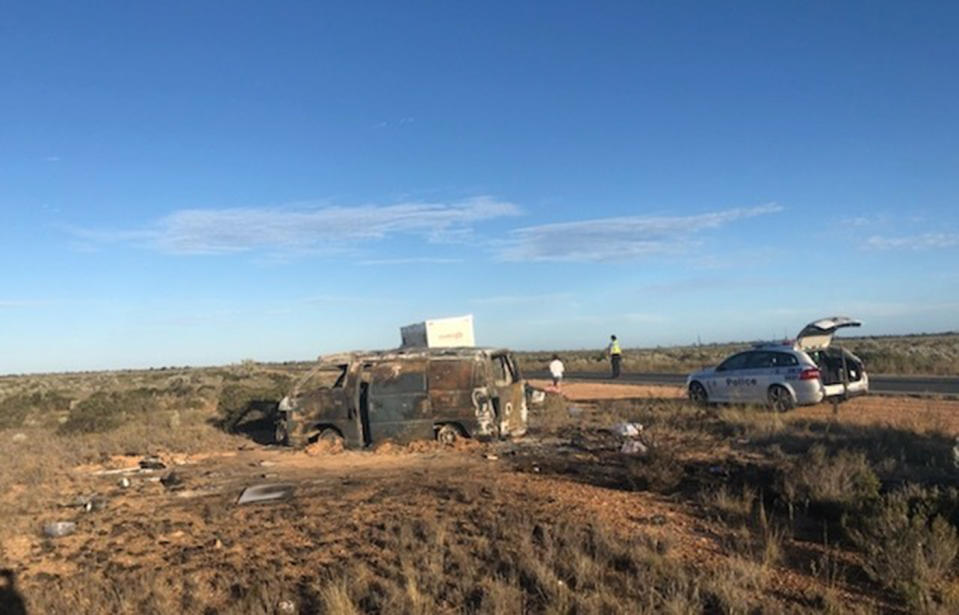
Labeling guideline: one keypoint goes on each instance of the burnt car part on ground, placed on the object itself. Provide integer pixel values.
(404, 395)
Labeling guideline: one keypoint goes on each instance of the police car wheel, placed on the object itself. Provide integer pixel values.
(779, 399)
(697, 394)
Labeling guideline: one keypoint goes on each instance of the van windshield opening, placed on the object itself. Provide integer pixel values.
(325, 377)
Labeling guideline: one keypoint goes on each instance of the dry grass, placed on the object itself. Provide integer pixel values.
(767, 488)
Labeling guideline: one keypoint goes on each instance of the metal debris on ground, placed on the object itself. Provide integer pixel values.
(265, 493)
(152, 463)
(124, 482)
(491, 457)
(96, 502)
(171, 480)
(88, 502)
(129, 470)
(57, 529)
(286, 607)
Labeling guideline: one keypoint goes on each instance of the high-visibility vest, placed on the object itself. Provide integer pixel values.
(614, 347)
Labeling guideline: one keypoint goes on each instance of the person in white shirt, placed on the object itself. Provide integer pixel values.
(556, 370)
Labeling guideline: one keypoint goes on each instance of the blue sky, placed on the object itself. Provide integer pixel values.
(204, 182)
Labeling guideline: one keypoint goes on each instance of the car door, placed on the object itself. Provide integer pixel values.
(758, 376)
(397, 403)
(510, 395)
(726, 380)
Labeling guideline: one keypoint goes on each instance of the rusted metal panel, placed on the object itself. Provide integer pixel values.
(451, 375)
(399, 407)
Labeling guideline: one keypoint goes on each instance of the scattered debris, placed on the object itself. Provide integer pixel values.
(264, 493)
(634, 447)
(129, 470)
(266, 463)
(171, 480)
(491, 456)
(152, 463)
(537, 396)
(286, 607)
(124, 482)
(57, 529)
(535, 468)
(627, 430)
(88, 502)
(96, 502)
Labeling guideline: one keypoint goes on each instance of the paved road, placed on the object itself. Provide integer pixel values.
(882, 384)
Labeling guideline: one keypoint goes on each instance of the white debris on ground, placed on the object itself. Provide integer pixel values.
(57, 529)
(627, 430)
(634, 447)
(265, 493)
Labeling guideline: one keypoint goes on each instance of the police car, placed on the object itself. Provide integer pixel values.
(784, 375)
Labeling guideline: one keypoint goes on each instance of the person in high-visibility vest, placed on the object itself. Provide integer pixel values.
(615, 355)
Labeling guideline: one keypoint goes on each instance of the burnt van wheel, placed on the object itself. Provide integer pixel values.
(330, 436)
(447, 434)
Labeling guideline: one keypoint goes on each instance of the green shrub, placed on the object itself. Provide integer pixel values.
(238, 400)
(14, 409)
(106, 410)
(658, 471)
(844, 478)
(907, 548)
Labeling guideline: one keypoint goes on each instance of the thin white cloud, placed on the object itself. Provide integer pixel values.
(521, 299)
(925, 241)
(414, 260)
(619, 239)
(342, 299)
(303, 228)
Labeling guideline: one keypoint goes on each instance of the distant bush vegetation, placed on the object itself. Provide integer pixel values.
(934, 355)
(106, 410)
(15, 408)
(100, 402)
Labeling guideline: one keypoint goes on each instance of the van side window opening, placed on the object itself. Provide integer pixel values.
(327, 377)
(450, 375)
(502, 372)
(398, 379)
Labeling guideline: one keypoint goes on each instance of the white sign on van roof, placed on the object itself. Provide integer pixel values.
(453, 332)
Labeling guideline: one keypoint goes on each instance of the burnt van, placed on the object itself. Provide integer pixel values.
(407, 394)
